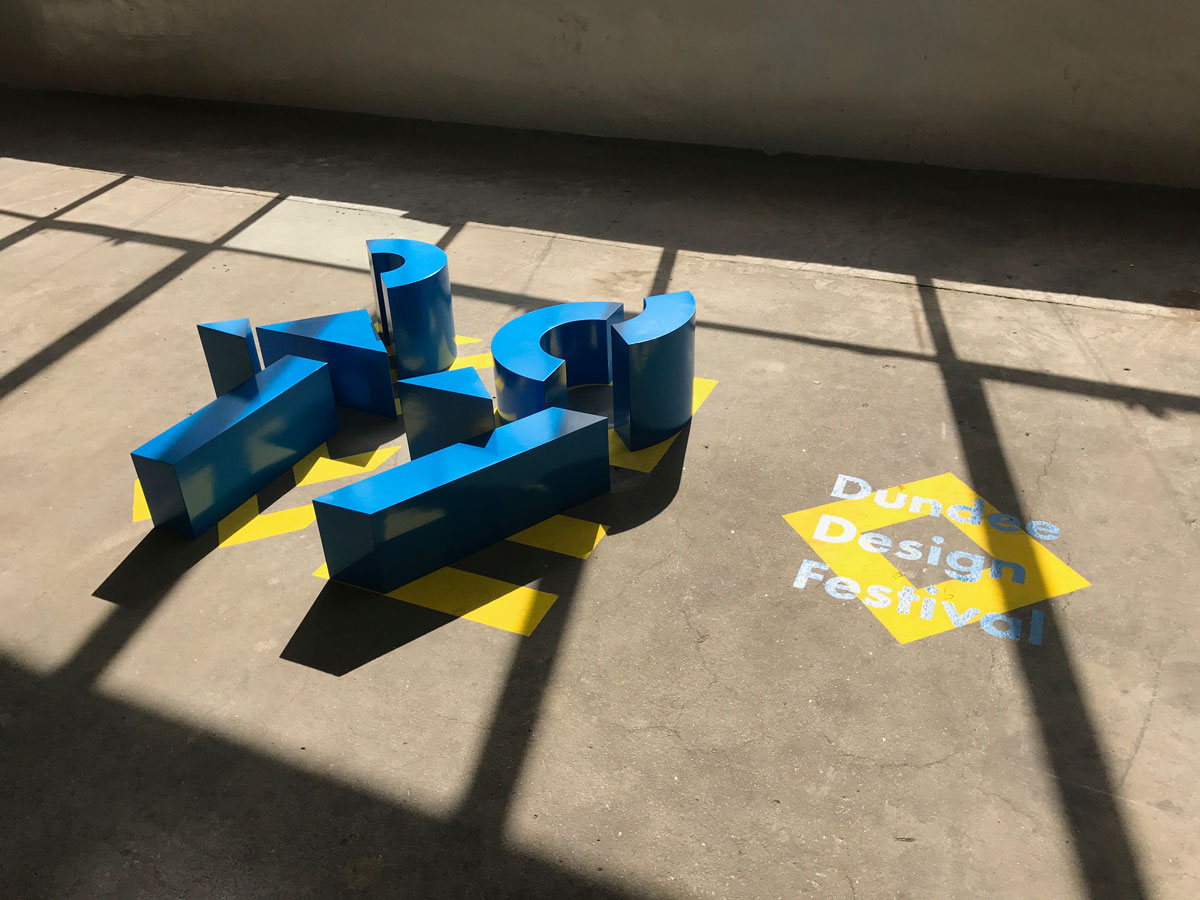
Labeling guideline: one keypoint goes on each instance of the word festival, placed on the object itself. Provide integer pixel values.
(959, 565)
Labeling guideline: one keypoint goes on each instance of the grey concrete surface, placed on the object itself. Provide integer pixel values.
(180, 719)
(1081, 88)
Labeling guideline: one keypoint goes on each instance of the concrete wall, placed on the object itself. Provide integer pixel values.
(1091, 88)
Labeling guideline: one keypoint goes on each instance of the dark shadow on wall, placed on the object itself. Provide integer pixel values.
(1007, 231)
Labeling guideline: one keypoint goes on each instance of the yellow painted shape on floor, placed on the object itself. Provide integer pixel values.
(318, 466)
(701, 388)
(646, 459)
(477, 361)
(1045, 574)
(563, 534)
(237, 520)
(466, 595)
(141, 512)
(459, 340)
(639, 460)
(313, 469)
(247, 524)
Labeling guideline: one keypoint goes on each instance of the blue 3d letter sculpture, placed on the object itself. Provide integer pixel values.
(201, 469)
(470, 482)
(542, 353)
(406, 522)
(358, 361)
(654, 363)
(444, 408)
(412, 287)
(230, 353)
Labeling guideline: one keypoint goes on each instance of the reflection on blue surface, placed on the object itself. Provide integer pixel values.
(443, 409)
(542, 353)
(412, 288)
(654, 363)
(358, 361)
(230, 353)
(201, 469)
(405, 522)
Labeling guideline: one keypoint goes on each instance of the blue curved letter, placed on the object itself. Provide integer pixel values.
(542, 353)
(412, 287)
(653, 364)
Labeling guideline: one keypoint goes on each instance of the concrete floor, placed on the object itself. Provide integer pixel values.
(182, 719)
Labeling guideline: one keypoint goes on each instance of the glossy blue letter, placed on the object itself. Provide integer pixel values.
(412, 287)
(542, 353)
(201, 469)
(394, 527)
(654, 363)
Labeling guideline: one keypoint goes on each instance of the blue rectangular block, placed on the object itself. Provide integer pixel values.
(444, 408)
(203, 468)
(230, 353)
(358, 361)
(394, 527)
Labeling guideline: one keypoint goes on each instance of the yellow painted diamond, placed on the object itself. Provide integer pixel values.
(1025, 571)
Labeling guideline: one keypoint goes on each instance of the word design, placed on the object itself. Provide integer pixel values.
(1014, 570)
